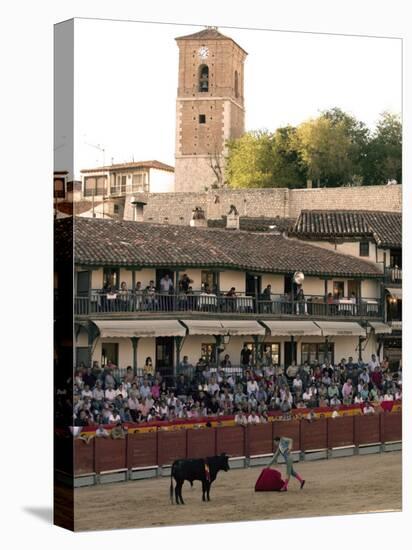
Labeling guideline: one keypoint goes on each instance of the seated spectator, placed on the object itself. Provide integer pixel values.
(101, 432)
(347, 391)
(388, 396)
(368, 408)
(323, 402)
(335, 401)
(311, 416)
(252, 387)
(121, 390)
(110, 393)
(292, 370)
(114, 417)
(333, 390)
(297, 383)
(358, 399)
(213, 386)
(253, 418)
(373, 363)
(145, 389)
(119, 431)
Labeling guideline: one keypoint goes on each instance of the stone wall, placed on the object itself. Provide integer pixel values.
(176, 208)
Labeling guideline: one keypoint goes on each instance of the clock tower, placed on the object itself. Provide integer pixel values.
(210, 107)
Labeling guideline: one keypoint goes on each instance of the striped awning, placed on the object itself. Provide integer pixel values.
(334, 328)
(293, 328)
(380, 328)
(140, 329)
(243, 328)
(213, 328)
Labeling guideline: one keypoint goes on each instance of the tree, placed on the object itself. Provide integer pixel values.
(383, 154)
(325, 148)
(262, 159)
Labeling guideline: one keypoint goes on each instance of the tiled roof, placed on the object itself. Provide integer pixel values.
(66, 207)
(130, 165)
(126, 243)
(383, 227)
(209, 33)
(248, 223)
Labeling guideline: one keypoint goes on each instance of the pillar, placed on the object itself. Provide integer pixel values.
(135, 342)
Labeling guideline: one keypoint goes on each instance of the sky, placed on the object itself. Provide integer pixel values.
(126, 84)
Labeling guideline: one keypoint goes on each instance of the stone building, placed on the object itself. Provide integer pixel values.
(210, 107)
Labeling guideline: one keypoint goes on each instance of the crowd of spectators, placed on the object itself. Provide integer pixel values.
(102, 396)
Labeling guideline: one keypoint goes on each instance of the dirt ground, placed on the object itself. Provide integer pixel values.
(333, 487)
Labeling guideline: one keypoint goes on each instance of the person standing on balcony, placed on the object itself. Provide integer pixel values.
(148, 366)
(245, 356)
(138, 292)
(301, 306)
(185, 282)
(166, 288)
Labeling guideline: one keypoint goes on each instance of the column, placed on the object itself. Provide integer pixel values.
(135, 341)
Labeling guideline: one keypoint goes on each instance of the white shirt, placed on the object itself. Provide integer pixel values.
(110, 394)
(166, 284)
(253, 419)
(252, 386)
(372, 364)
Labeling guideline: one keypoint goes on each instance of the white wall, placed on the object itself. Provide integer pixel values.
(232, 278)
(277, 282)
(161, 181)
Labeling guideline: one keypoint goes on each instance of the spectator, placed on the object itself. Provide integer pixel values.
(226, 363)
(368, 408)
(245, 356)
(148, 367)
(253, 418)
(119, 431)
(373, 363)
(185, 282)
(110, 393)
(297, 383)
(335, 413)
(347, 391)
(292, 371)
(184, 366)
(101, 432)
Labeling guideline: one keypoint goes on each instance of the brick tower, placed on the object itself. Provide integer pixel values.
(210, 107)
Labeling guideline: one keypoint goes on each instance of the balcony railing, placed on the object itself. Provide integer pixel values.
(129, 303)
(393, 275)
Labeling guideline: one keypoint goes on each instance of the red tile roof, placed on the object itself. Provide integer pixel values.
(209, 33)
(126, 243)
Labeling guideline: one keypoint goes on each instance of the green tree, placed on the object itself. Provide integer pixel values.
(261, 159)
(383, 154)
(325, 148)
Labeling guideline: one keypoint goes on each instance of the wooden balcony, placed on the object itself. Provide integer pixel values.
(130, 305)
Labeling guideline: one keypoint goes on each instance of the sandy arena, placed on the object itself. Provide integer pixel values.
(333, 487)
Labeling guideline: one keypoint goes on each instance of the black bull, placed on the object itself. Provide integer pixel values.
(204, 470)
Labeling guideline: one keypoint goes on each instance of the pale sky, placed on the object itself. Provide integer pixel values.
(126, 84)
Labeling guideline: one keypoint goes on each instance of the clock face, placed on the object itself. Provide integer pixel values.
(203, 52)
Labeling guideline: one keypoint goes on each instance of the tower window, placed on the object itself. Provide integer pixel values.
(236, 84)
(203, 78)
(202, 119)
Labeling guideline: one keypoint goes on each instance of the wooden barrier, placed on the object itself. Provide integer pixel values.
(367, 429)
(171, 446)
(289, 428)
(141, 450)
(201, 442)
(260, 439)
(314, 435)
(231, 440)
(391, 427)
(110, 454)
(341, 431)
(162, 447)
(84, 455)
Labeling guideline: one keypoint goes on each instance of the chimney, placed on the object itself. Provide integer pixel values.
(198, 218)
(232, 219)
(137, 209)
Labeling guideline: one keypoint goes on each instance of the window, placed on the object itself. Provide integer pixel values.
(236, 84)
(138, 183)
(203, 78)
(317, 352)
(209, 352)
(110, 277)
(364, 248)
(59, 189)
(274, 352)
(123, 188)
(202, 119)
(110, 352)
(95, 186)
(209, 278)
(338, 289)
(115, 209)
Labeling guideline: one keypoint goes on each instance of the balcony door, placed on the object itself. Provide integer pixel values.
(253, 285)
(354, 286)
(83, 284)
(165, 346)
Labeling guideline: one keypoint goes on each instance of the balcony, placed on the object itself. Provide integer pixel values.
(128, 304)
(393, 276)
